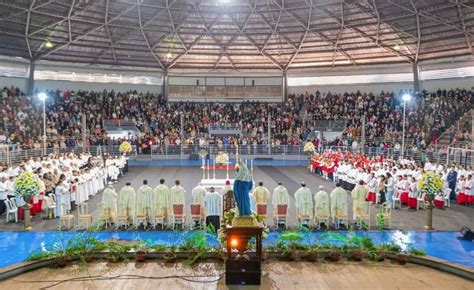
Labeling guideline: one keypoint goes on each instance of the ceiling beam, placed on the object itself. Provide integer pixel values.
(27, 28)
(463, 25)
(290, 61)
(155, 56)
(85, 34)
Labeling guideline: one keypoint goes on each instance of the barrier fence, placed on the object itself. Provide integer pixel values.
(283, 152)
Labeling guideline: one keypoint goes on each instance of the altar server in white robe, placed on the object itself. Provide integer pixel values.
(126, 201)
(199, 192)
(161, 199)
(321, 204)
(112, 170)
(338, 203)
(109, 199)
(280, 197)
(177, 195)
(144, 203)
(213, 208)
(304, 202)
(60, 191)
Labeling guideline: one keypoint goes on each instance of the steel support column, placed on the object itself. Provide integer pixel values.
(285, 85)
(164, 86)
(30, 85)
(416, 78)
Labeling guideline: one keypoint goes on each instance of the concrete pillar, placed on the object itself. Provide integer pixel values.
(164, 87)
(30, 85)
(285, 85)
(416, 77)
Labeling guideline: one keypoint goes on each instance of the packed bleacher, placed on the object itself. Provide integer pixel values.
(428, 115)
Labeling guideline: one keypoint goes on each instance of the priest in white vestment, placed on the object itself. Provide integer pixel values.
(144, 203)
(109, 199)
(304, 202)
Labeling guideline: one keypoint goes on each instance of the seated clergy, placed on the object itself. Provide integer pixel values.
(280, 196)
(109, 199)
(359, 203)
(161, 199)
(144, 202)
(260, 194)
(321, 205)
(304, 203)
(213, 208)
(177, 195)
(126, 201)
(199, 192)
(338, 203)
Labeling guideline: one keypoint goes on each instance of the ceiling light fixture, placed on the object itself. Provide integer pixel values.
(396, 47)
(48, 44)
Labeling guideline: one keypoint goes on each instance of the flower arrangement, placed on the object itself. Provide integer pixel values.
(308, 147)
(26, 185)
(222, 158)
(125, 147)
(430, 183)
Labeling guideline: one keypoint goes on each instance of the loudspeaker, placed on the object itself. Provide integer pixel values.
(242, 272)
(467, 234)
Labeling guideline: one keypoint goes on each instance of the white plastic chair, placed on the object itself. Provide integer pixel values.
(420, 201)
(396, 199)
(447, 193)
(11, 210)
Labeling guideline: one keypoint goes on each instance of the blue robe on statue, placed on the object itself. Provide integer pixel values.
(242, 186)
(451, 178)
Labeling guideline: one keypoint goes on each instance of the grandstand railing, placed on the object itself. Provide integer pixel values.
(248, 151)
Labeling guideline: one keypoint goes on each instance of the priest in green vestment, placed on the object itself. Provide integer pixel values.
(144, 204)
(304, 202)
(338, 202)
(280, 196)
(161, 199)
(359, 202)
(109, 199)
(126, 201)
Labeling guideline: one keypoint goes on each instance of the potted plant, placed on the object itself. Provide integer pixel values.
(26, 186)
(291, 240)
(141, 250)
(313, 253)
(117, 252)
(334, 254)
(170, 255)
(60, 255)
(402, 258)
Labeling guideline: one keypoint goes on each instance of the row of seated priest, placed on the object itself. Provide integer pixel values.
(164, 206)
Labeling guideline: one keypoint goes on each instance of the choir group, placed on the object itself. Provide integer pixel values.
(65, 180)
(394, 182)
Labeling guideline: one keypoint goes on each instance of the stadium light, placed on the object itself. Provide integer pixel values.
(406, 97)
(43, 97)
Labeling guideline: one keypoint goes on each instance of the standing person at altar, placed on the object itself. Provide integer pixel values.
(3, 193)
(242, 185)
(330, 168)
(198, 193)
(228, 199)
(280, 197)
(177, 195)
(321, 203)
(261, 194)
(304, 201)
(359, 204)
(413, 194)
(468, 190)
(144, 203)
(60, 191)
(127, 199)
(372, 184)
(213, 208)
(452, 179)
(389, 189)
(109, 199)
(161, 199)
(338, 203)
(227, 188)
(404, 185)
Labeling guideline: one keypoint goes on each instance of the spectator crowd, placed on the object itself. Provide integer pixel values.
(429, 114)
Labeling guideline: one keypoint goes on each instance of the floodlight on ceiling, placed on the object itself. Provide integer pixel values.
(169, 55)
(48, 44)
(396, 47)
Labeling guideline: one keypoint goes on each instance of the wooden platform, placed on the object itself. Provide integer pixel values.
(451, 219)
(277, 275)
